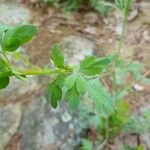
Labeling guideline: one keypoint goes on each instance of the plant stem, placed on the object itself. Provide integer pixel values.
(34, 72)
(122, 35)
(118, 53)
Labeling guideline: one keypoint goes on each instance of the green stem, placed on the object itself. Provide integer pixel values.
(34, 72)
(118, 52)
(122, 35)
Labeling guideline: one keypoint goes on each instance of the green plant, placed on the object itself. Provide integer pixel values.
(77, 83)
(72, 80)
(109, 125)
(101, 6)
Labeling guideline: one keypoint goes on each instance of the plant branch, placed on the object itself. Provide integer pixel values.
(34, 72)
(122, 35)
(119, 51)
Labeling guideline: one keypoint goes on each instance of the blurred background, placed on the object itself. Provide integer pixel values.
(27, 121)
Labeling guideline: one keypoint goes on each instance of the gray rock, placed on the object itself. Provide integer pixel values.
(13, 13)
(18, 88)
(32, 125)
(10, 117)
(76, 48)
(42, 127)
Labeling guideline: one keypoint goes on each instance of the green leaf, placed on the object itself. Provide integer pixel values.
(54, 94)
(59, 80)
(4, 81)
(72, 97)
(100, 96)
(3, 28)
(92, 65)
(87, 62)
(123, 4)
(2, 65)
(17, 36)
(101, 6)
(54, 91)
(70, 81)
(80, 85)
(57, 56)
(86, 145)
(136, 69)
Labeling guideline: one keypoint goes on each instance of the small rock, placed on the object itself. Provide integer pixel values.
(138, 87)
(91, 30)
(91, 18)
(66, 117)
(133, 14)
(146, 35)
(110, 40)
(118, 29)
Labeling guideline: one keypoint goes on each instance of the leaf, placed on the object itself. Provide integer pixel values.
(136, 69)
(70, 81)
(92, 65)
(80, 85)
(17, 36)
(101, 97)
(123, 4)
(54, 94)
(104, 61)
(72, 97)
(54, 91)
(4, 81)
(3, 28)
(87, 62)
(57, 56)
(2, 65)
(59, 80)
(86, 145)
(101, 6)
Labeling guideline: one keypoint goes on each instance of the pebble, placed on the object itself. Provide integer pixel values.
(138, 87)
(133, 14)
(66, 117)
